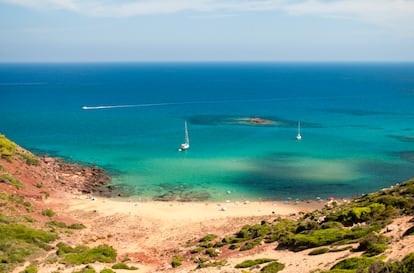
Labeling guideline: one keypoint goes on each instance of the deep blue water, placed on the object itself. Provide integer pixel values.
(357, 124)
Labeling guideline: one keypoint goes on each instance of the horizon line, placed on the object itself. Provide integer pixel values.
(215, 62)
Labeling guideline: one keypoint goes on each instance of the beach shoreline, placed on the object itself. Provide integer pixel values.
(148, 233)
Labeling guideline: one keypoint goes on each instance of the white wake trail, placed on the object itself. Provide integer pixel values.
(211, 102)
(125, 106)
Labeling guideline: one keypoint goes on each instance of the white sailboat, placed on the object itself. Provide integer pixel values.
(186, 143)
(299, 137)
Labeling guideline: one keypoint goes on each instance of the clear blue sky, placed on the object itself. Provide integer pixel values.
(206, 30)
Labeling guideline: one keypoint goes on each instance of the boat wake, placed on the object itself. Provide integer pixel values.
(207, 102)
(147, 105)
(125, 106)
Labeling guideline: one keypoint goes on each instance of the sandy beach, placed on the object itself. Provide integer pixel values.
(149, 233)
(190, 211)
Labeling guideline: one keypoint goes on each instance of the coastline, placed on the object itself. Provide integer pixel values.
(95, 192)
(177, 211)
(148, 234)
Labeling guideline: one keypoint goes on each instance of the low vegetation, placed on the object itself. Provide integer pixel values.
(19, 242)
(273, 267)
(10, 180)
(107, 270)
(48, 213)
(177, 261)
(63, 225)
(9, 149)
(319, 251)
(14, 200)
(250, 263)
(409, 232)
(334, 228)
(30, 269)
(206, 264)
(372, 265)
(84, 255)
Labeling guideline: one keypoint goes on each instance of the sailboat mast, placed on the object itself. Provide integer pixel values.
(299, 137)
(187, 140)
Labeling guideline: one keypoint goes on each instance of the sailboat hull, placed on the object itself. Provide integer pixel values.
(183, 147)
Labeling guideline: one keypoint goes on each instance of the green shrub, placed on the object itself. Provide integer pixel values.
(273, 267)
(77, 226)
(208, 238)
(11, 180)
(7, 148)
(17, 199)
(354, 263)
(250, 245)
(332, 224)
(408, 263)
(120, 266)
(29, 158)
(306, 225)
(319, 251)
(211, 252)
(30, 269)
(321, 237)
(212, 264)
(409, 231)
(38, 238)
(250, 263)
(358, 214)
(219, 244)
(375, 249)
(107, 270)
(373, 244)
(123, 266)
(47, 194)
(280, 229)
(18, 242)
(29, 219)
(205, 245)
(394, 201)
(177, 261)
(48, 213)
(86, 269)
(234, 246)
(64, 249)
(197, 250)
(341, 249)
(86, 255)
(56, 224)
(255, 231)
(361, 231)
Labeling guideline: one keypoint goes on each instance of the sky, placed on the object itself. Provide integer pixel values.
(206, 30)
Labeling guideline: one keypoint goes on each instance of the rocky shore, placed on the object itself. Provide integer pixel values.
(81, 178)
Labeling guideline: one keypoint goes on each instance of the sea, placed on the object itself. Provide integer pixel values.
(356, 122)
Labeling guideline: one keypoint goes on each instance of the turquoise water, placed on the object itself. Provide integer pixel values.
(357, 125)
